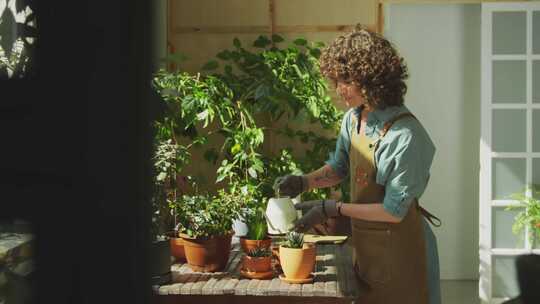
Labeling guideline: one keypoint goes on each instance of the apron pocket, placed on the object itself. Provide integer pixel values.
(372, 252)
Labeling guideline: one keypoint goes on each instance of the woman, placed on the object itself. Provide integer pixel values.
(387, 154)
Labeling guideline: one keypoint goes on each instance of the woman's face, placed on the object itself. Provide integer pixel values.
(350, 93)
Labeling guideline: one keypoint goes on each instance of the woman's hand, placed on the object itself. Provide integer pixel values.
(314, 212)
(290, 185)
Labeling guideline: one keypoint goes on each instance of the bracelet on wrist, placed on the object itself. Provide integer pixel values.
(339, 208)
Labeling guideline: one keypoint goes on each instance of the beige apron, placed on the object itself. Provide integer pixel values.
(389, 258)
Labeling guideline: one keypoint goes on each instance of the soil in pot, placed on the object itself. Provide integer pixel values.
(297, 263)
(257, 264)
(248, 245)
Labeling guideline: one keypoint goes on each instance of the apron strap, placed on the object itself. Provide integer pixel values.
(435, 221)
(388, 125)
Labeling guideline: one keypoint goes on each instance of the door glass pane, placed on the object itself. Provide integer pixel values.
(509, 32)
(503, 237)
(536, 177)
(536, 130)
(536, 32)
(536, 80)
(508, 177)
(509, 81)
(504, 277)
(509, 130)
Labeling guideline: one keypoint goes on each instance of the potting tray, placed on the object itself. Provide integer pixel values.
(333, 278)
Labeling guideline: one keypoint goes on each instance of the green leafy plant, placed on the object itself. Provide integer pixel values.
(259, 252)
(256, 223)
(283, 81)
(294, 240)
(203, 215)
(529, 216)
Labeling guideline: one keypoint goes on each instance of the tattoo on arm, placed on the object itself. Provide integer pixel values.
(324, 177)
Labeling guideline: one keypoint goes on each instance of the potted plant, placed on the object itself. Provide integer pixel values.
(257, 236)
(257, 264)
(529, 216)
(205, 224)
(297, 258)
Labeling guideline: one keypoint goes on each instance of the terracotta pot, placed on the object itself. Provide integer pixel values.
(537, 224)
(248, 245)
(207, 254)
(297, 263)
(257, 264)
(224, 248)
(177, 248)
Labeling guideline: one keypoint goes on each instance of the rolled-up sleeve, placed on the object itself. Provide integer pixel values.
(339, 159)
(403, 168)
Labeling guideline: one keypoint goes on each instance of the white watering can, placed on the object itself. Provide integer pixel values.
(281, 215)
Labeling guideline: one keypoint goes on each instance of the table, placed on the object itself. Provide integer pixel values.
(334, 282)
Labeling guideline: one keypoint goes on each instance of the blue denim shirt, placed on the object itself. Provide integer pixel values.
(403, 161)
(403, 158)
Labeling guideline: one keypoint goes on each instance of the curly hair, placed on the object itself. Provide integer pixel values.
(369, 61)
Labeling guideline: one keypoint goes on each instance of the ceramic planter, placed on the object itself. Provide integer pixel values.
(257, 264)
(207, 254)
(297, 263)
(248, 245)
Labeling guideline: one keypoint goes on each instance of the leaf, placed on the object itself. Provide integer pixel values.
(315, 53)
(300, 41)
(252, 172)
(203, 115)
(262, 91)
(277, 38)
(236, 148)
(210, 65)
(224, 55)
(161, 176)
(262, 42)
(237, 43)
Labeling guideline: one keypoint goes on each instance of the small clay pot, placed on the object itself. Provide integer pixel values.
(248, 245)
(257, 264)
(297, 263)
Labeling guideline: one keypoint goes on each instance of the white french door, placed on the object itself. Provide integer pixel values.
(510, 138)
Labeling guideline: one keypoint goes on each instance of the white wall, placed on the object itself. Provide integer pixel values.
(441, 44)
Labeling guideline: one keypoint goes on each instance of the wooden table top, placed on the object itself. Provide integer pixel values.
(333, 277)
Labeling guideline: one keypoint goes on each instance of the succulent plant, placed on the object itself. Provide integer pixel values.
(259, 252)
(294, 240)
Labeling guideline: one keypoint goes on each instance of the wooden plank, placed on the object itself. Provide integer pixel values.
(284, 288)
(380, 18)
(186, 287)
(295, 290)
(163, 290)
(220, 285)
(272, 16)
(273, 289)
(196, 289)
(208, 288)
(262, 289)
(174, 289)
(230, 286)
(252, 287)
(264, 29)
(241, 287)
(342, 287)
(330, 289)
(307, 290)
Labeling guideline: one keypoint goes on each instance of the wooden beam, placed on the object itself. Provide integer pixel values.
(265, 29)
(272, 15)
(447, 1)
(380, 18)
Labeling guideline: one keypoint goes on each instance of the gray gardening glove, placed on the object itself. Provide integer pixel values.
(314, 213)
(291, 185)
